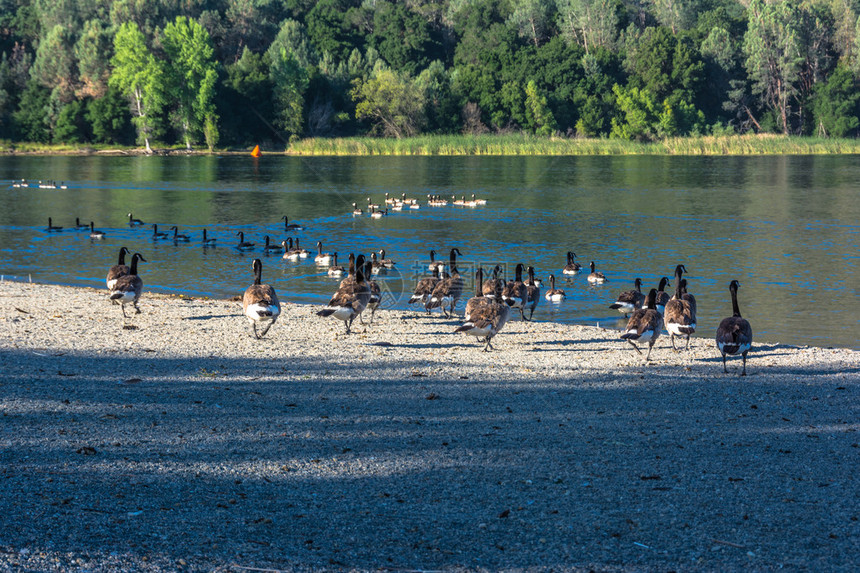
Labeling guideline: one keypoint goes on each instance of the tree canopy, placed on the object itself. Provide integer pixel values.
(234, 72)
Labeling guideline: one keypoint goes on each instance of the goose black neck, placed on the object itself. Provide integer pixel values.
(258, 272)
(479, 282)
(736, 311)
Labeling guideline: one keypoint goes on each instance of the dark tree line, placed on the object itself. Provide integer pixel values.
(235, 72)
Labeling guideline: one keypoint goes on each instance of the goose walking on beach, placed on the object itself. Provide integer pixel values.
(260, 303)
(120, 269)
(128, 288)
(493, 286)
(680, 316)
(734, 334)
(447, 292)
(424, 288)
(515, 292)
(351, 299)
(645, 325)
(485, 316)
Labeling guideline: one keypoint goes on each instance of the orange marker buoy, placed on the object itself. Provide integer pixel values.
(256, 151)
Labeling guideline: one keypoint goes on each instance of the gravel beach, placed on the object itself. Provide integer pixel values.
(184, 444)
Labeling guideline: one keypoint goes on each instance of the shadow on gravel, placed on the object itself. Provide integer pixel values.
(310, 464)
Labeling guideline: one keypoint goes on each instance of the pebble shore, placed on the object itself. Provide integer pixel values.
(175, 441)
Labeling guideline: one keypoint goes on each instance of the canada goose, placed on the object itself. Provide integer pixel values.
(177, 238)
(485, 317)
(260, 303)
(322, 258)
(408, 200)
(132, 222)
(478, 201)
(515, 292)
(207, 242)
(470, 202)
(243, 244)
(303, 253)
(290, 253)
(662, 295)
(389, 200)
(291, 226)
(629, 300)
(376, 214)
(415, 206)
(434, 264)
(371, 205)
(270, 247)
(424, 288)
(398, 206)
(387, 263)
(350, 300)
(156, 235)
(354, 261)
(118, 270)
(447, 292)
(95, 234)
(335, 270)
(680, 315)
(127, 288)
(644, 325)
(734, 335)
(376, 267)
(356, 211)
(375, 295)
(595, 277)
(572, 267)
(479, 299)
(532, 293)
(458, 202)
(51, 228)
(492, 287)
(554, 294)
(80, 226)
(679, 272)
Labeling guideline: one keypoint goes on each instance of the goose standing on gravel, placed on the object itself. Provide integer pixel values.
(156, 234)
(375, 294)
(322, 258)
(260, 303)
(177, 238)
(572, 267)
(734, 335)
(493, 286)
(51, 228)
(350, 300)
(447, 292)
(120, 269)
(243, 244)
(662, 295)
(291, 226)
(132, 222)
(554, 294)
(485, 316)
(645, 325)
(208, 242)
(128, 288)
(515, 292)
(596, 277)
(424, 288)
(680, 316)
(94, 233)
(629, 300)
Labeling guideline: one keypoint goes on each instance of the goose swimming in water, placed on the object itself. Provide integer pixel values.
(260, 303)
(291, 226)
(51, 228)
(734, 334)
(208, 242)
(572, 267)
(132, 222)
(270, 247)
(177, 238)
(243, 244)
(156, 235)
(95, 234)
(554, 294)
(596, 277)
(629, 300)
(335, 270)
(80, 226)
(322, 258)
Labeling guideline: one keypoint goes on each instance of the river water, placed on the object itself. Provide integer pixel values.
(787, 228)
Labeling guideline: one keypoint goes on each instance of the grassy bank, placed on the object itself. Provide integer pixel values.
(514, 144)
(529, 145)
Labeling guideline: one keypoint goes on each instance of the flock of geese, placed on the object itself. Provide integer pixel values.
(486, 313)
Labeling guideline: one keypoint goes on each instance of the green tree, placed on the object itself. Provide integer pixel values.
(639, 114)
(589, 23)
(109, 118)
(392, 103)
(402, 37)
(329, 28)
(90, 50)
(539, 118)
(531, 18)
(30, 116)
(290, 57)
(71, 126)
(772, 46)
(193, 77)
(835, 104)
(139, 77)
(54, 66)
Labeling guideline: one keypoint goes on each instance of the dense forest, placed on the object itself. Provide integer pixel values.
(235, 72)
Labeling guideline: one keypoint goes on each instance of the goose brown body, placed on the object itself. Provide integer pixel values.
(260, 302)
(734, 334)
